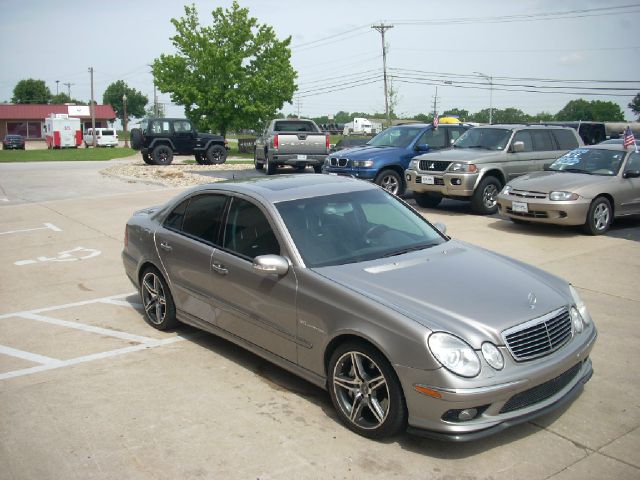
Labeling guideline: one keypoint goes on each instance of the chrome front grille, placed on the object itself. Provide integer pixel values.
(540, 336)
(433, 165)
(527, 194)
(338, 161)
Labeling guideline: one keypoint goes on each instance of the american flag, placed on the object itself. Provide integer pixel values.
(435, 121)
(629, 139)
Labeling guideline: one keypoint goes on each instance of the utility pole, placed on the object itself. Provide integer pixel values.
(490, 80)
(383, 28)
(298, 102)
(93, 110)
(68, 88)
(57, 82)
(124, 117)
(155, 98)
(435, 103)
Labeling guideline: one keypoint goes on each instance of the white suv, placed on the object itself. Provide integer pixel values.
(105, 137)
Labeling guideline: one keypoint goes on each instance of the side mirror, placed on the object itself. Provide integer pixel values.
(631, 174)
(271, 264)
(517, 147)
(442, 228)
(423, 147)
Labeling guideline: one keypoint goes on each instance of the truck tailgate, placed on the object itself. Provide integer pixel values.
(306, 143)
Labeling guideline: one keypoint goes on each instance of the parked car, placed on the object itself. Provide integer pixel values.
(589, 186)
(340, 282)
(615, 141)
(483, 160)
(13, 142)
(295, 142)
(105, 137)
(385, 157)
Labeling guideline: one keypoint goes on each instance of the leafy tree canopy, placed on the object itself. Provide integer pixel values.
(64, 98)
(136, 101)
(595, 110)
(230, 75)
(635, 105)
(31, 91)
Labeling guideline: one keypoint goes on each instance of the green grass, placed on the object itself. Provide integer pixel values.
(64, 155)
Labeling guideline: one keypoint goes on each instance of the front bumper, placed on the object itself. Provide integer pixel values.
(13, 146)
(361, 173)
(545, 210)
(452, 185)
(545, 385)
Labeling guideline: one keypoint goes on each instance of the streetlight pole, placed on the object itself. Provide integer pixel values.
(490, 80)
(124, 118)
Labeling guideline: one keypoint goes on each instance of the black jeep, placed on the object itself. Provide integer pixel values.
(159, 139)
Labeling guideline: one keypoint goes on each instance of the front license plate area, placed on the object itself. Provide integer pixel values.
(520, 207)
(427, 179)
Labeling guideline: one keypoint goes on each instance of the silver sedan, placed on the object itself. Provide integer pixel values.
(343, 284)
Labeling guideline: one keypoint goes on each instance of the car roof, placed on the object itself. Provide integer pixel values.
(511, 126)
(289, 187)
(606, 146)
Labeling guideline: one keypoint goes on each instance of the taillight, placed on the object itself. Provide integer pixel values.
(328, 142)
(275, 141)
(126, 236)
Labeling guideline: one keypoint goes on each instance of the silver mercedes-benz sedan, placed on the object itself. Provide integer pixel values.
(345, 285)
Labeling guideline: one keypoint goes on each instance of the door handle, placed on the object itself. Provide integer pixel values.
(219, 268)
(166, 247)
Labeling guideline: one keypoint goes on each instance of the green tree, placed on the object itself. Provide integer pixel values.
(136, 101)
(481, 117)
(64, 98)
(342, 117)
(635, 105)
(232, 74)
(542, 117)
(510, 115)
(595, 110)
(31, 91)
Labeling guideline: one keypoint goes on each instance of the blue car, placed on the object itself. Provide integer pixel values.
(385, 157)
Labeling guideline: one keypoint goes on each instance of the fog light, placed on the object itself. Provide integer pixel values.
(464, 415)
(456, 181)
(408, 177)
(467, 414)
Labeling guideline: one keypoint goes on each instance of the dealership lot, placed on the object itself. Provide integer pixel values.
(88, 390)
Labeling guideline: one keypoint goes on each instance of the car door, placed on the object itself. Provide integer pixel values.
(545, 150)
(258, 307)
(183, 136)
(627, 194)
(519, 163)
(185, 243)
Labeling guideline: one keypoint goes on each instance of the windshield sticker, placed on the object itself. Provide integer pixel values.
(568, 160)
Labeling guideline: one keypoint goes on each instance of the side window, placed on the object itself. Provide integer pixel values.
(248, 232)
(454, 133)
(203, 217)
(181, 126)
(524, 136)
(542, 141)
(634, 162)
(434, 138)
(565, 138)
(174, 219)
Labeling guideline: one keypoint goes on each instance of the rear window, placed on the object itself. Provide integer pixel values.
(565, 138)
(294, 126)
(108, 132)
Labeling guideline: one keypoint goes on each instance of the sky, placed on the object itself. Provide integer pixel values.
(539, 54)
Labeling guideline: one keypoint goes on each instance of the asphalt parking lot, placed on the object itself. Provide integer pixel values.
(88, 390)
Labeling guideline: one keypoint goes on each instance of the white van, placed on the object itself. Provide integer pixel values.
(105, 137)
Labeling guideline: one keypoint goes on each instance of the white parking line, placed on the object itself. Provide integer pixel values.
(47, 226)
(122, 303)
(32, 357)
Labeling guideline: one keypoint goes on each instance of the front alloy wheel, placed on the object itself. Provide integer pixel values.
(599, 217)
(390, 181)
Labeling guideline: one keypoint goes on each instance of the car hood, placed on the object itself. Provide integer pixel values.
(546, 182)
(460, 155)
(456, 287)
(369, 153)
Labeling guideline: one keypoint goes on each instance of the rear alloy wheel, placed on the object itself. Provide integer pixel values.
(159, 309)
(390, 180)
(427, 200)
(485, 197)
(162, 155)
(216, 154)
(366, 392)
(599, 217)
(146, 159)
(201, 160)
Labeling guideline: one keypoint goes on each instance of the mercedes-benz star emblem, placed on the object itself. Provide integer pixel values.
(532, 300)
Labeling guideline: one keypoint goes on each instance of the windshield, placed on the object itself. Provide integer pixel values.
(395, 137)
(594, 161)
(355, 227)
(484, 138)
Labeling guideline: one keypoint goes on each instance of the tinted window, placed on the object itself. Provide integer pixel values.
(174, 220)
(486, 138)
(204, 217)
(434, 138)
(542, 141)
(294, 126)
(454, 133)
(395, 137)
(565, 138)
(107, 132)
(159, 126)
(248, 232)
(182, 126)
(524, 136)
(634, 162)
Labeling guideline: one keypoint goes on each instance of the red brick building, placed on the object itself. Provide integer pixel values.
(28, 119)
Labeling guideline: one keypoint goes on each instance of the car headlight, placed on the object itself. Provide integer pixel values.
(454, 354)
(579, 312)
(414, 164)
(492, 355)
(563, 196)
(459, 167)
(506, 190)
(327, 161)
(363, 163)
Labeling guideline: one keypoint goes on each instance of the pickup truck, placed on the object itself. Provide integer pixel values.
(295, 142)
(385, 157)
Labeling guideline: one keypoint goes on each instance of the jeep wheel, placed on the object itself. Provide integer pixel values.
(146, 159)
(136, 138)
(216, 154)
(162, 155)
(427, 200)
(258, 165)
(485, 198)
(201, 159)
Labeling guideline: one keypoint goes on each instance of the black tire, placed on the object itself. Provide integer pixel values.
(485, 198)
(162, 155)
(86, 145)
(381, 411)
(270, 167)
(146, 159)
(136, 138)
(256, 164)
(391, 181)
(201, 159)
(317, 168)
(216, 154)
(300, 168)
(599, 217)
(427, 200)
(159, 309)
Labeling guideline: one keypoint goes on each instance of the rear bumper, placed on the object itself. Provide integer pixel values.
(297, 159)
